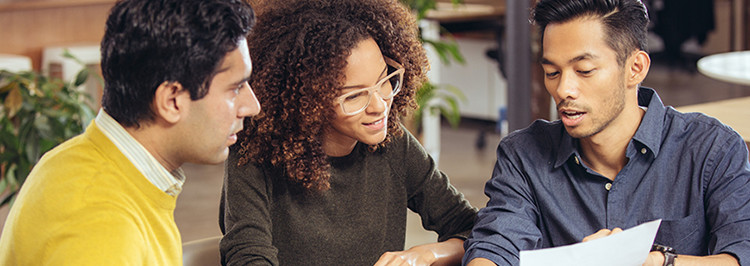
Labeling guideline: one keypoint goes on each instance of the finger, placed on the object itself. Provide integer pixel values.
(391, 259)
(384, 259)
(615, 231)
(597, 235)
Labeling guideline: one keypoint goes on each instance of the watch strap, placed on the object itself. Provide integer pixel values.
(669, 253)
(669, 258)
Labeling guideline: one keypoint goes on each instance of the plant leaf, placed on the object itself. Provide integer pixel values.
(82, 76)
(67, 54)
(9, 198)
(13, 102)
(5, 82)
(10, 176)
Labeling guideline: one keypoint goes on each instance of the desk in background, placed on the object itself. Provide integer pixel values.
(733, 67)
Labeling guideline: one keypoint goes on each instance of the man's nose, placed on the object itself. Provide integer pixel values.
(567, 87)
(249, 105)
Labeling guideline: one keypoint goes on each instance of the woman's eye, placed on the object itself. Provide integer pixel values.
(355, 96)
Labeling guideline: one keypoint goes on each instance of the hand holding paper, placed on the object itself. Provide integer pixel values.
(628, 248)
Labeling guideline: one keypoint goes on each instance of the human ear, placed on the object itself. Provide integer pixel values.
(639, 64)
(170, 101)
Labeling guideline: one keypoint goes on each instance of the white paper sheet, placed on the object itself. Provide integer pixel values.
(627, 248)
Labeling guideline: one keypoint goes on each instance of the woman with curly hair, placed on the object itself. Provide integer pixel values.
(325, 174)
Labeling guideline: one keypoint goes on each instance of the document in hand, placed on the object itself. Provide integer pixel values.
(628, 248)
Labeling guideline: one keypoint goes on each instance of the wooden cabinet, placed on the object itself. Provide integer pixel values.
(28, 26)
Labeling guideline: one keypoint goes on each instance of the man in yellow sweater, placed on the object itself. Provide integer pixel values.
(176, 91)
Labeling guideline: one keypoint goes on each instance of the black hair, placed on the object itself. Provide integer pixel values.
(625, 21)
(149, 42)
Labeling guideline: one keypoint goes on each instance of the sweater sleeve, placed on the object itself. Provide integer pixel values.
(442, 208)
(244, 216)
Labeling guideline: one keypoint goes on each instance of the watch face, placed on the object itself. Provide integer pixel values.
(663, 249)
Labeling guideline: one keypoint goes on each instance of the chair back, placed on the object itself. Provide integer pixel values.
(202, 252)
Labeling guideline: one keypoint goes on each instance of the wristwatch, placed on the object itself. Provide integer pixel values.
(669, 253)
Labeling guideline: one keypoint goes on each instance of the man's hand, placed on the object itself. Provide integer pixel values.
(602, 233)
(656, 258)
(448, 252)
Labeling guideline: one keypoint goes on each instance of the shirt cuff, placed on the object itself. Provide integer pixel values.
(741, 252)
(490, 253)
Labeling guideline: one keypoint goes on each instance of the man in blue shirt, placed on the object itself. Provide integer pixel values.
(617, 157)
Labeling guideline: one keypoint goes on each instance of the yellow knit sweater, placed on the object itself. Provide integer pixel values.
(84, 203)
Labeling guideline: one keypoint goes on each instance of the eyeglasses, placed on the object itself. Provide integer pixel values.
(354, 102)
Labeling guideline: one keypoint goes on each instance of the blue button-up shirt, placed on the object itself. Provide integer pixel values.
(689, 170)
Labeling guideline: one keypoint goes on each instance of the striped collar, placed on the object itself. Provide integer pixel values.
(169, 182)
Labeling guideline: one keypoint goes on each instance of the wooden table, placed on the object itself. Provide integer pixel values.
(733, 112)
(447, 12)
(733, 67)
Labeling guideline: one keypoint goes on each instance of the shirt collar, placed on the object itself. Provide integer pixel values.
(568, 147)
(169, 182)
(649, 133)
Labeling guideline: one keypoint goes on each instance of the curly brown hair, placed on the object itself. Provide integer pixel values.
(299, 50)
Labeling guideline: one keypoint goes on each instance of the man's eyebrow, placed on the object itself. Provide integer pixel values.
(246, 79)
(545, 61)
(385, 71)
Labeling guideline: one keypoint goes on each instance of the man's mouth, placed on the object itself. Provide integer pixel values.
(572, 114)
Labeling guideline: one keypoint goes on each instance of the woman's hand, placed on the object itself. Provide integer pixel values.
(448, 252)
(412, 256)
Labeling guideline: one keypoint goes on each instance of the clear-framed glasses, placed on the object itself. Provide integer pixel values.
(356, 101)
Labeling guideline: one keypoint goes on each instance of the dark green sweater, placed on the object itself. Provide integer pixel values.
(268, 221)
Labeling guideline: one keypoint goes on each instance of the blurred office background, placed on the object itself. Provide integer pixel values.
(683, 32)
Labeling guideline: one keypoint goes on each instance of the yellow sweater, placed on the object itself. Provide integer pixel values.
(84, 203)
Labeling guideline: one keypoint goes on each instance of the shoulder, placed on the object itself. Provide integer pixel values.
(541, 136)
(248, 174)
(80, 173)
(73, 215)
(74, 165)
(402, 149)
(698, 127)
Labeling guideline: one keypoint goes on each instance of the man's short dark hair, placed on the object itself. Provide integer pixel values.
(148, 42)
(625, 21)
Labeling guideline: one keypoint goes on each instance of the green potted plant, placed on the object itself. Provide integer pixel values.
(439, 99)
(36, 114)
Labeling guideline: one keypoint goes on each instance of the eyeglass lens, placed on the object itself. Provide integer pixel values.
(386, 89)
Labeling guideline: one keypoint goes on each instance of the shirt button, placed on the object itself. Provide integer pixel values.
(608, 186)
(577, 161)
(643, 150)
